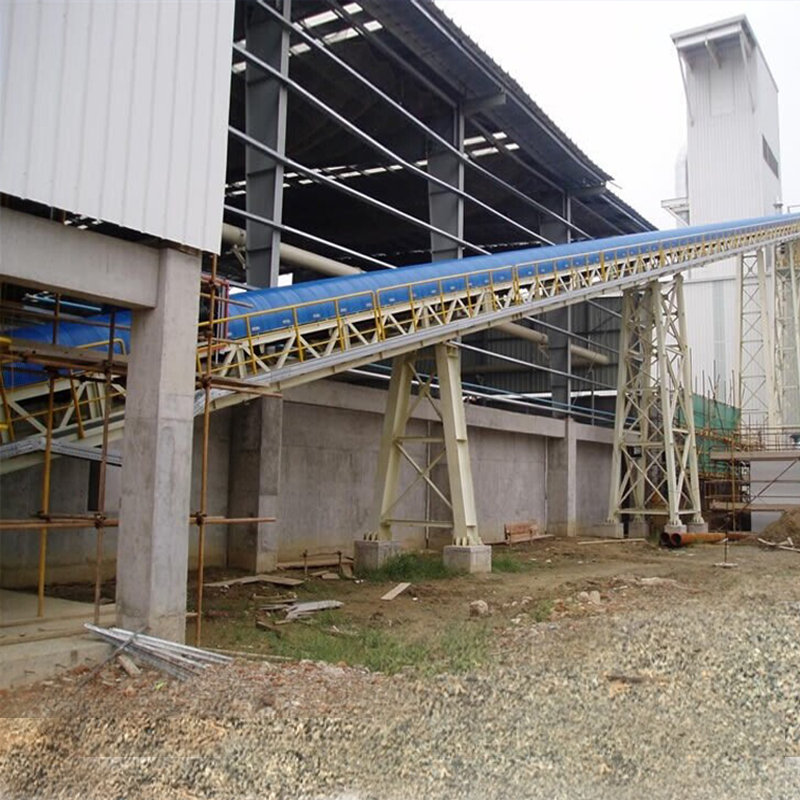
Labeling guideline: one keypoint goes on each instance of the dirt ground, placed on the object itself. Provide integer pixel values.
(621, 636)
(550, 572)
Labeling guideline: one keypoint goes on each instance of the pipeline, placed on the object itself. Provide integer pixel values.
(683, 539)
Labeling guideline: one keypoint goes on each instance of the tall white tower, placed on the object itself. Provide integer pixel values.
(733, 164)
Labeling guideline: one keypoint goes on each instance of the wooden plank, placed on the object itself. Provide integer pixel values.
(127, 664)
(301, 609)
(612, 541)
(392, 593)
(347, 571)
(315, 561)
(277, 580)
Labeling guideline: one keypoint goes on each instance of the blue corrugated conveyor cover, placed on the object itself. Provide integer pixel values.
(355, 292)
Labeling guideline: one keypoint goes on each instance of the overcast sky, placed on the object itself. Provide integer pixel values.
(607, 73)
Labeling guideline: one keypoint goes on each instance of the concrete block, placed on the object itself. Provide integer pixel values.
(474, 558)
(669, 529)
(609, 530)
(697, 527)
(29, 662)
(373, 555)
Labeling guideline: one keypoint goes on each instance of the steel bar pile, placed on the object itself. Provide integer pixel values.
(179, 660)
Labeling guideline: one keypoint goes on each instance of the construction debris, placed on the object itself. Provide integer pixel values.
(392, 593)
(276, 580)
(521, 532)
(316, 561)
(347, 571)
(612, 541)
(787, 526)
(179, 660)
(127, 664)
(330, 576)
(479, 608)
(299, 610)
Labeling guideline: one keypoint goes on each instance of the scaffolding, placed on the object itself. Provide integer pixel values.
(79, 379)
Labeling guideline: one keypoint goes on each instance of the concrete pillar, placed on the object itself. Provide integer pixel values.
(254, 483)
(562, 494)
(153, 548)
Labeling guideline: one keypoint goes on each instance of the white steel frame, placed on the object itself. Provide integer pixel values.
(756, 394)
(449, 407)
(787, 333)
(654, 464)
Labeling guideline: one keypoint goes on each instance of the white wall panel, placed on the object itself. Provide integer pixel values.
(119, 111)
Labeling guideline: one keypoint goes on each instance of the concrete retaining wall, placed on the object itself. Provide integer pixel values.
(331, 435)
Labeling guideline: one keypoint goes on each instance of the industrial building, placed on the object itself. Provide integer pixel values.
(224, 343)
(732, 118)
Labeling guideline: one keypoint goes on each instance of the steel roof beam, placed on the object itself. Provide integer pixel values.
(375, 144)
(324, 180)
(319, 46)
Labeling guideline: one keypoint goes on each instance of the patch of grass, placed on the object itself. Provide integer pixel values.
(461, 647)
(411, 567)
(542, 610)
(507, 562)
(328, 637)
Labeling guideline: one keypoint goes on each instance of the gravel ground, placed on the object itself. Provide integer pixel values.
(658, 691)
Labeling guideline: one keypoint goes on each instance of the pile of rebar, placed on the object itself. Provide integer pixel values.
(179, 660)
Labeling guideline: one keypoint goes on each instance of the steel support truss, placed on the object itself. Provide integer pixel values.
(756, 395)
(654, 467)
(787, 332)
(401, 404)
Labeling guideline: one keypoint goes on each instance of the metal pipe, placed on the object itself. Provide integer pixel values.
(682, 539)
(376, 145)
(349, 190)
(305, 235)
(101, 483)
(521, 332)
(520, 362)
(297, 257)
(584, 354)
(201, 516)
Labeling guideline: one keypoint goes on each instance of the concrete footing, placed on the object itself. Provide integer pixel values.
(609, 530)
(29, 662)
(697, 527)
(638, 529)
(473, 558)
(371, 555)
(670, 529)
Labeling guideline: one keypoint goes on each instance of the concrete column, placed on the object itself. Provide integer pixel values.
(562, 495)
(153, 548)
(254, 483)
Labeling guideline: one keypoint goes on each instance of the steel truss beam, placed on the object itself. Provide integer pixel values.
(654, 467)
(756, 395)
(787, 332)
(395, 441)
